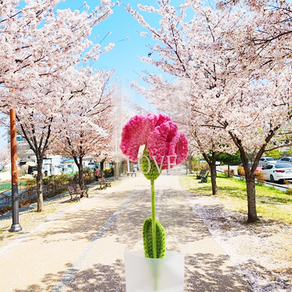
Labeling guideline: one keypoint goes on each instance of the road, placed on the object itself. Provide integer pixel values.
(5, 175)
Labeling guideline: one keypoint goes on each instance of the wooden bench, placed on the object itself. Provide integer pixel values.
(83, 192)
(76, 192)
(103, 183)
(204, 176)
(131, 173)
(109, 182)
(74, 195)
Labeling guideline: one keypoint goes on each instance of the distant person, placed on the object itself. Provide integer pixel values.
(96, 173)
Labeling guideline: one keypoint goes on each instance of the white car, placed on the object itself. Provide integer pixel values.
(278, 172)
(285, 160)
(264, 161)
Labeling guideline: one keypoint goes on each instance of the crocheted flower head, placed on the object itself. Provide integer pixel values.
(166, 146)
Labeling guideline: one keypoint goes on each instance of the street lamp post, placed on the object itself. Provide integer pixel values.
(15, 227)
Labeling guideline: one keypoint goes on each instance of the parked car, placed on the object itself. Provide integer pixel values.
(264, 161)
(278, 172)
(259, 167)
(285, 160)
(240, 169)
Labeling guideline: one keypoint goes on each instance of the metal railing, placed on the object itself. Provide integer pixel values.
(28, 195)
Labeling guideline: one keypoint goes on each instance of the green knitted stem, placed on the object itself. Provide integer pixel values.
(153, 215)
(153, 232)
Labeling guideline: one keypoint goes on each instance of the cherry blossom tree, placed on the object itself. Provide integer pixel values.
(36, 42)
(264, 38)
(174, 99)
(38, 49)
(85, 123)
(233, 90)
(39, 122)
(123, 109)
(4, 157)
(104, 154)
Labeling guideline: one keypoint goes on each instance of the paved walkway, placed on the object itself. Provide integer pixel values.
(82, 248)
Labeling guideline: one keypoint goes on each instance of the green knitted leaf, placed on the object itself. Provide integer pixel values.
(153, 174)
(147, 239)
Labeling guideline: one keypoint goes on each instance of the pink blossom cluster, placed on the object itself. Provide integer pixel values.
(159, 134)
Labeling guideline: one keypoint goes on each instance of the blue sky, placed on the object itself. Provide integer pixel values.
(130, 46)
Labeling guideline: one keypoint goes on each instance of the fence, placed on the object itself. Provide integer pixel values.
(28, 195)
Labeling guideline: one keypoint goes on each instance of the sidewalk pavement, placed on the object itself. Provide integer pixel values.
(81, 248)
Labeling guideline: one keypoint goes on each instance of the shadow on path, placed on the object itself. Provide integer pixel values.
(98, 278)
(204, 271)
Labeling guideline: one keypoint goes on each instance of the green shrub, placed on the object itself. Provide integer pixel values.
(21, 171)
(30, 182)
(204, 166)
(48, 179)
(240, 170)
(108, 172)
(260, 177)
(231, 172)
(195, 167)
(88, 173)
(58, 180)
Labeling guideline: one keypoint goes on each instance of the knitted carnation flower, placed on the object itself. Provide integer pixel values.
(160, 136)
(137, 131)
(165, 147)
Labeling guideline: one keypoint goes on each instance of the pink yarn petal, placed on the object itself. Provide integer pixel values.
(159, 142)
(161, 119)
(136, 132)
(179, 147)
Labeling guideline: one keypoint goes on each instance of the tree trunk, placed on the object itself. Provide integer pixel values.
(212, 166)
(39, 181)
(79, 163)
(81, 176)
(190, 163)
(250, 190)
(102, 167)
(213, 174)
(251, 198)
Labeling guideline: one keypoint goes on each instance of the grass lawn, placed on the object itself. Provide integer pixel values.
(7, 185)
(271, 203)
